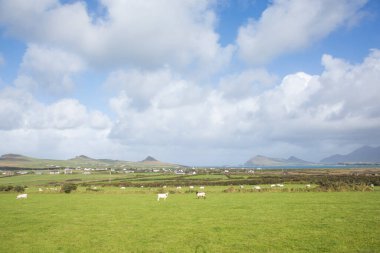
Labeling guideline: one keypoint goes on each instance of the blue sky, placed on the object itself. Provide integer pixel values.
(191, 82)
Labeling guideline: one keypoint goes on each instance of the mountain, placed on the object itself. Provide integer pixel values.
(260, 160)
(149, 159)
(365, 154)
(81, 161)
(81, 157)
(14, 157)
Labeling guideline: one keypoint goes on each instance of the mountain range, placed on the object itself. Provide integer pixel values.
(20, 161)
(261, 160)
(365, 154)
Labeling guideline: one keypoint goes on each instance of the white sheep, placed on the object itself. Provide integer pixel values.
(22, 196)
(162, 196)
(201, 187)
(308, 186)
(257, 187)
(241, 186)
(123, 188)
(272, 185)
(179, 187)
(40, 189)
(201, 195)
(191, 187)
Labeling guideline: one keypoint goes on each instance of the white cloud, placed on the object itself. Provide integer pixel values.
(178, 33)
(48, 69)
(290, 25)
(20, 110)
(303, 112)
(247, 83)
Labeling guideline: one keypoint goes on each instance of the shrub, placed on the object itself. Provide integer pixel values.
(6, 188)
(19, 188)
(67, 188)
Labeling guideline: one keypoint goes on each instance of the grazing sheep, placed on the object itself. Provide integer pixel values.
(123, 188)
(201, 187)
(272, 185)
(191, 187)
(40, 189)
(201, 195)
(179, 187)
(162, 196)
(308, 186)
(257, 187)
(241, 186)
(164, 186)
(22, 196)
(280, 185)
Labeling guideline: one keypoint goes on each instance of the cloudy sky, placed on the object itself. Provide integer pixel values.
(196, 82)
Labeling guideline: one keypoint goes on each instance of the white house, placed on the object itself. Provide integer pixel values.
(68, 171)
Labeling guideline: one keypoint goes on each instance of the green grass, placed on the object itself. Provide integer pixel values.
(117, 221)
(32, 179)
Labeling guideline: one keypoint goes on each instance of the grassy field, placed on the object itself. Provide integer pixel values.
(133, 221)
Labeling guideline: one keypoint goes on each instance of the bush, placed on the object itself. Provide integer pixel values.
(19, 188)
(67, 188)
(6, 188)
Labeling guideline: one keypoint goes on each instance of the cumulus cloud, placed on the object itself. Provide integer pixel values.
(290, 25)
(161, 87)
(62, 129)
(338, 106)
(20, 110)
(129, 33)
(48, 69)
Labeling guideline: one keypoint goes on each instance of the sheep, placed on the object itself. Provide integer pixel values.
(179, 187)
(40, 189)
(201, 195)
(257, 187)
(123, 188)
(22, 196)
(241, 186)
(272, 185)
(191, 187)
(164, 186)
(308, 186)
(201, 187)
(162, 196)
(280, 185)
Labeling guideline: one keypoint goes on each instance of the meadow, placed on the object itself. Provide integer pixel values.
(132, 220)
(101, 216)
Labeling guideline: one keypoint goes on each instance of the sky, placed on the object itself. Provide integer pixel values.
(194, 82)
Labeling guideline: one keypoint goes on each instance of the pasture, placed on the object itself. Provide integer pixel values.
(132, 220)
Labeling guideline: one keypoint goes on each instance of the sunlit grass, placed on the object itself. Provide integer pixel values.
(224, 222)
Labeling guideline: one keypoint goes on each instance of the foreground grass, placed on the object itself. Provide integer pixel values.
(234, 222)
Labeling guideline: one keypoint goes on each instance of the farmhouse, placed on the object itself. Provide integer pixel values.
(179, 172)
(68, 171)
(8, 173)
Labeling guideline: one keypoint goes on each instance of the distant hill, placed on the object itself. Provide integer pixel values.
(81, 161)
(14, 157)
(82, 157)
(260, 160)
(365, 154)
(149, 159)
